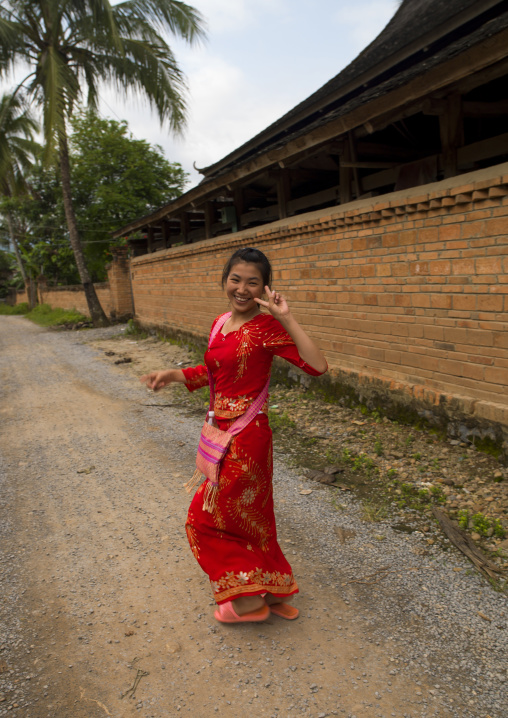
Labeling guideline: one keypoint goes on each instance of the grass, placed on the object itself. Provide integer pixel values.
(18, 309)
(481, 524)
(373, 512)
(132, 330)
(44, 316)
(278, 422)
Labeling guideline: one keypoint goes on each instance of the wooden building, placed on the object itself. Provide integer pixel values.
(426, 100)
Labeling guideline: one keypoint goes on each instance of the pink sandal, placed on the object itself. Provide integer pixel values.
(285, 610)
(225, 613)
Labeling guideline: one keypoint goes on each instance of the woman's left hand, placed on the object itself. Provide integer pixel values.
(276, 304)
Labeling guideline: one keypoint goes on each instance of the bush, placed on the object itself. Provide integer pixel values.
(22, 308)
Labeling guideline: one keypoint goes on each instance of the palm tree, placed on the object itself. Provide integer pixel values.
(74, 44)
(17, 150)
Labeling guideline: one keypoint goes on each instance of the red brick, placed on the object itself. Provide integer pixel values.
(495, 375)
(490, 303)
(464, 302)
(496, 226)
(419, 268)
(441, 301)
(440, 267)
(400, 269)
(489, 265)
(463, 266)
(447, 233)
(473, 229)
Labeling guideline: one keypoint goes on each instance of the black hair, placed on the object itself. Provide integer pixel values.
(252, 256)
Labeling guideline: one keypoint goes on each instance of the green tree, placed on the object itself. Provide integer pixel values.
(115, 179)
(17, 149)
(71, 44)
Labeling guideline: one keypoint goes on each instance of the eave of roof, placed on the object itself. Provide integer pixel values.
(415, 25)
(229, 167)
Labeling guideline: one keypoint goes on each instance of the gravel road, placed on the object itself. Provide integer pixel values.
(106, 613)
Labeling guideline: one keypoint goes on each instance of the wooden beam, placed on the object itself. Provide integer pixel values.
(345, 175)
(238, 198)
(209, 217)
(264, 214)
(166, 233)
(482, 150)
(283, 192)
(452, 134)
(354, 160)
(371, 164)
(461, 71)
(326, 196)
(185, 227)
(493, 72)
(150, 238)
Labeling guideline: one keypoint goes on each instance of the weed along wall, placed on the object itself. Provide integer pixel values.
(407, 294)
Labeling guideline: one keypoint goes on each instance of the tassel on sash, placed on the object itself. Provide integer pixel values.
(210, 495)
(193, 481)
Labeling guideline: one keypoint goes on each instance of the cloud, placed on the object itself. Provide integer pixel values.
(226, 16)
(227, 108)
(364, 20)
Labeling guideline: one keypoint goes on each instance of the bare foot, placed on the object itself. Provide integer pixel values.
(247, 604)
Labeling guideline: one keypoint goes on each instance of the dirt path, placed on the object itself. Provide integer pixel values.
(100, 587)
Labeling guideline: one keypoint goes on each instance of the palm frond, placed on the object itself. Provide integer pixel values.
(180, 19)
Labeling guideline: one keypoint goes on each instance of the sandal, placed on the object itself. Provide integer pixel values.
(225, 613)
(285, 610)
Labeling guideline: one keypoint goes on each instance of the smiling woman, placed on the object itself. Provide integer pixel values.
(231, 524)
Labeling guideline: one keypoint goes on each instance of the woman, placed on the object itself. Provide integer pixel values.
(235, 541)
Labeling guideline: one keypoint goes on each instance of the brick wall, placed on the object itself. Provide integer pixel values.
(120, 285)
(73, 297)
(407, 294)
(115, 296)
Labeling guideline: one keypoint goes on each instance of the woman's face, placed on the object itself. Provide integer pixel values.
(243, 285)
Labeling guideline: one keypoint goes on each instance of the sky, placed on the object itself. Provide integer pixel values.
(261, 58)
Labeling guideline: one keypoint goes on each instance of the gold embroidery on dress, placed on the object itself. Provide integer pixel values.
(226, 407)
(244, 349)
(240, 509)
(233, 584)
(192, 535)
(197, 382)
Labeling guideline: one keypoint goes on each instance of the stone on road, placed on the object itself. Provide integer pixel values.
(106, 612)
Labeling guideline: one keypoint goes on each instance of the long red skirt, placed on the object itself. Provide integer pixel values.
(236, 544)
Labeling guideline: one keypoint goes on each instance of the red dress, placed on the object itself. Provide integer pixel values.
(236, 544)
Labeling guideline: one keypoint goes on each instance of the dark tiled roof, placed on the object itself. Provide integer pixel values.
(421, 34)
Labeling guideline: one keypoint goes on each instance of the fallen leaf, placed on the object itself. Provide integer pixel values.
(485, 618)
(306, 492)
(86, 471)
(358, 423)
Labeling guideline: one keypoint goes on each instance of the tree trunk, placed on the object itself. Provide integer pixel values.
(99, 319)
(21, 266)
